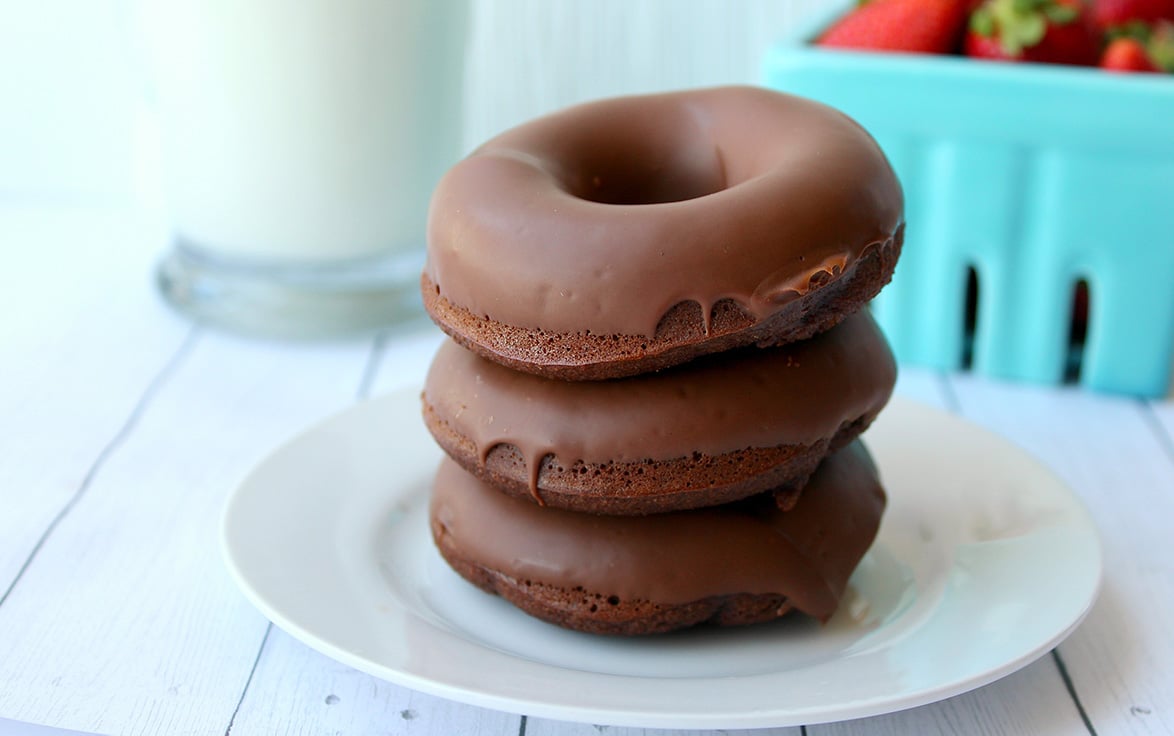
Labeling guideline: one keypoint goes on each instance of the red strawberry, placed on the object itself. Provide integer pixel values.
(1112, 13)
(984, 47)
(1126, 55)
(916, 26)
(1047, 31)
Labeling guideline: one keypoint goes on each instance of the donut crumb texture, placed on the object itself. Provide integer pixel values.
(680, 336)
(646, 486)
(597, 613)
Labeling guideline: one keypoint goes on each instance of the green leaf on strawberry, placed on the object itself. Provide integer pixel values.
(1161, 46)
(1053, 31)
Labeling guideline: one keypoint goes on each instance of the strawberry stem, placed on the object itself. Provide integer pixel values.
(982, 22)
(1020, 24)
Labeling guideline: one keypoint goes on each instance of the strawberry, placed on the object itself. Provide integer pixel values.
(1046, 31)
(1114, 13)
(914, 26)
(1126, 55)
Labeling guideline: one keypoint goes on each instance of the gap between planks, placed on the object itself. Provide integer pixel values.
(157, 382)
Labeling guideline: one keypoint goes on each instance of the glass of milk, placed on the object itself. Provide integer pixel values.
(301, 142)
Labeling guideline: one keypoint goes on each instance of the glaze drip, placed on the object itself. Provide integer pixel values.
(806, 554)
(797, 394)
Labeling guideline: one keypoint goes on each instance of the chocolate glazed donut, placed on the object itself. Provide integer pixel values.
(721, 428)
(736, 564)
(629, 235)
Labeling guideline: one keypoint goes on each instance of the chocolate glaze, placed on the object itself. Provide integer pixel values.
(806, 554)
(602, 217)
(797, 394)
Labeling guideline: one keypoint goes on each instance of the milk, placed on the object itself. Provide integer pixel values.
(304, 131)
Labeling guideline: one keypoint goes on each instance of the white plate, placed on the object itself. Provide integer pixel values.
(984, 561)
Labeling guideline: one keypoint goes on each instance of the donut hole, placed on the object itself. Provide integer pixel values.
(656, 170)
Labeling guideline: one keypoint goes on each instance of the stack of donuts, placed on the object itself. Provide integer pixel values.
(660, 361)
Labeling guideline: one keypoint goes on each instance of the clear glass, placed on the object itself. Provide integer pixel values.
(319, 300)
(301, 142)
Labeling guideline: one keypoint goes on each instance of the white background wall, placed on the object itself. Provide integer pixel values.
(74, 125)
(67, 96)
(531, 56)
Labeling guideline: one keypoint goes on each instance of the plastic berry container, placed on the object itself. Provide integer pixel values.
(1021, 181)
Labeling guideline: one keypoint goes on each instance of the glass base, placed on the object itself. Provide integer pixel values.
(338, 299)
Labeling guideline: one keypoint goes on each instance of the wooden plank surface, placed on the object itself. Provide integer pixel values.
(124, 620)
(77, 354)
(544, 727)
(295, 690)
(128, 603)
(1162, 414)
(1031, 701)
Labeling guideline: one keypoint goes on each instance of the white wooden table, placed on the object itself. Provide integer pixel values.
(123, 429)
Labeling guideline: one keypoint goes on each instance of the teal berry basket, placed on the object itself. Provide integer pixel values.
(1021, 182)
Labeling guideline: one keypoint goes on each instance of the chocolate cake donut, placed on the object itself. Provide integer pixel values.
(712, 431)
(632, 234)
(736, 564)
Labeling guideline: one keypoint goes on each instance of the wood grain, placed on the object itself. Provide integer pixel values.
(79, 344)
(127, 607)
(1162, 413)
(544, 727)
(1030, 701)
(295, 690)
